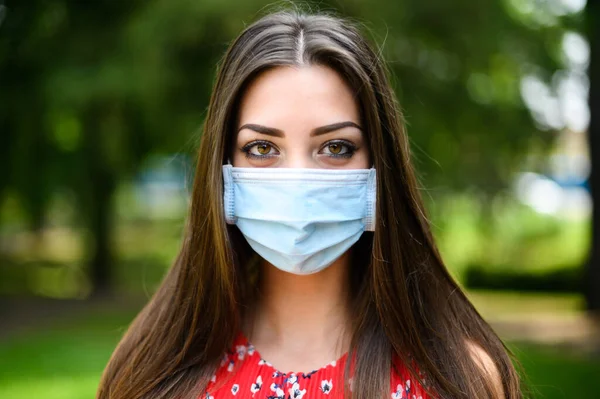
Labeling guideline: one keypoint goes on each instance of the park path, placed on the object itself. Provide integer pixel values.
(18, 315)
(578, 333)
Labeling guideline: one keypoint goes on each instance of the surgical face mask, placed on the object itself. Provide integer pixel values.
(300, 220)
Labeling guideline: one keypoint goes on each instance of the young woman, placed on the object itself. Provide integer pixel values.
(308, 267)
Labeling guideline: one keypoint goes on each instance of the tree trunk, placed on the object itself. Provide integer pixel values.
(592, 271)
(102, 227)
(98, 188)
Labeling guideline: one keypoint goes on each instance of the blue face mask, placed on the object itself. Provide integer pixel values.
(300, 220)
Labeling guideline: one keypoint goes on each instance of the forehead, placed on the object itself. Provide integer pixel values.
(284, 95)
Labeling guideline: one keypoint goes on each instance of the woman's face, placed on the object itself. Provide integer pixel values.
(299, 118)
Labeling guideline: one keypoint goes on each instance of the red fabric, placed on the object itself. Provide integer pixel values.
(244, 374)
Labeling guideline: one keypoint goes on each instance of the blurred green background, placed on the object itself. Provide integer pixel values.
(101, 105)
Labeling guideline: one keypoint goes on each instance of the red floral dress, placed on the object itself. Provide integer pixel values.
(245, 374)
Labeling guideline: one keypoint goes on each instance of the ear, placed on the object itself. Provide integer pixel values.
(487, 365)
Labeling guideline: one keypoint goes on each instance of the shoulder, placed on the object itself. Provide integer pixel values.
(401, 378)
(487, 365)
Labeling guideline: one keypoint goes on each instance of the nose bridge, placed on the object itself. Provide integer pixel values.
(299, 156)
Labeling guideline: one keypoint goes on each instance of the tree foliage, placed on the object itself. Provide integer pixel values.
(90, 88)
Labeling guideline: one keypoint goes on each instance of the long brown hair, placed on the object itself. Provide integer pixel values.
(405, 301)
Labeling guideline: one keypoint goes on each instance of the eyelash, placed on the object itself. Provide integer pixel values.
(246, 149)
(351, 148)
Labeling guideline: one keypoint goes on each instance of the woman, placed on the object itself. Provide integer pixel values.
(308, 267)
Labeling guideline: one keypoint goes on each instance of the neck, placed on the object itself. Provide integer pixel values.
(303, 311)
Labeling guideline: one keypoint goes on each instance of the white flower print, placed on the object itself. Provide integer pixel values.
(230, 366)
(209, 396)
(326, 386)
(250, 350)
(241, 351)
(256, 386)
(295, 392)
(398, 393)
(235, 388)
(333, 363)
(407, 386)
(292, 379)
(213, 378)
(279, 394)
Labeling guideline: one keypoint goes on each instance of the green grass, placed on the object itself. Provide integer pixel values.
(553, 374)
(66, 361)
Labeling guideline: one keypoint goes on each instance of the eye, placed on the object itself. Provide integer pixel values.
(339, 148)
(335, 148)
(259, 149)
(263, 149)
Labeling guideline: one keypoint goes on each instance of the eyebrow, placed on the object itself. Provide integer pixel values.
(271, 131)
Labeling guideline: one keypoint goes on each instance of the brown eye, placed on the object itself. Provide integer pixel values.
(335, 148)
(263, 149)
(260, 150)
(338, 149)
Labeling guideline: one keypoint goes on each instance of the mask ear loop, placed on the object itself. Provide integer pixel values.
(228, 194)
(371, 201)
